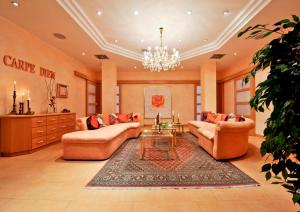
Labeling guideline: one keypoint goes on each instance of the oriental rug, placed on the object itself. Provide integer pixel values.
(189, 167)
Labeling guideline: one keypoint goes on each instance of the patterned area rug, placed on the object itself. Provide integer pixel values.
(188, 166)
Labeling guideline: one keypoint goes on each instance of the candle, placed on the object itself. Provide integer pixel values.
(22, 97)
(15, 85)
(178, 115)
(28, 96)
(173, 112)
(155, 121)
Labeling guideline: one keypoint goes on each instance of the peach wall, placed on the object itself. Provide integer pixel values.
(229, 97)
(261, 117)
(132, 100)
(109, 84)
(15, 41)
(209, 87)
(168, 75)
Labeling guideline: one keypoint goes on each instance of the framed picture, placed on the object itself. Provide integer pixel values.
(61, 91)
(158, 100)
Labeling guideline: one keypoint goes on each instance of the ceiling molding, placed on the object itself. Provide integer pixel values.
(247, 13)
(75, 11)
(242, 18)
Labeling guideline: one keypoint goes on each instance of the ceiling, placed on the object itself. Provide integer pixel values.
(121, 33)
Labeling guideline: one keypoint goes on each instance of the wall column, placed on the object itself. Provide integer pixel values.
(208, 86)
(109, 83)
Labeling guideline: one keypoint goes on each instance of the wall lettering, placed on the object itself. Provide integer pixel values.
(26, 66)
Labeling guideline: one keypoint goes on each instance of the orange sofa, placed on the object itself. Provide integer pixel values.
(223, 140)
(97, 144)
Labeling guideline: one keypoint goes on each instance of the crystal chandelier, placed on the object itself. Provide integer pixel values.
(159, 59)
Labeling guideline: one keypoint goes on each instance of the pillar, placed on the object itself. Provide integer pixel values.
(109, 84)
(208, 82)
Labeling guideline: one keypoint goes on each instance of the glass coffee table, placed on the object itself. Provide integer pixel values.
(154, 135)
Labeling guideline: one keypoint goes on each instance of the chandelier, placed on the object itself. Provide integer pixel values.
(159, 59)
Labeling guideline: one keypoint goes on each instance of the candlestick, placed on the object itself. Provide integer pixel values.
(21, 108)
(29, 112)
(14, 110)
(22, 99)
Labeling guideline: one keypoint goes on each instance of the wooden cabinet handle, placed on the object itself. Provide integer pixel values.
(41, 131)
(39, 142)
(53, 129)
(39, 121)
(52, 119)
(63, 118)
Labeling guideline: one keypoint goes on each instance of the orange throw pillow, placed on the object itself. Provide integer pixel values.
(122, 117)
(211, 117)
(105, 118)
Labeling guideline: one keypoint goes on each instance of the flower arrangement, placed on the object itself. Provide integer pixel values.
(52, 103)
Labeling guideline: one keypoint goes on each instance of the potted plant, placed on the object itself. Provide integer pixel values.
(281, 57)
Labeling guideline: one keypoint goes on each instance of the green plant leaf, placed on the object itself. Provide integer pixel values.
(296, 198)
(282, 22)
(284, 174)
(267, 34)
(268, 176)
(266, 167)
(295, 18)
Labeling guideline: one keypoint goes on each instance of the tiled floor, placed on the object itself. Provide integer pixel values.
(43, 182)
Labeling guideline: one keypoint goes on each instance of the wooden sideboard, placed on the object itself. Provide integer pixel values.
(22, 134)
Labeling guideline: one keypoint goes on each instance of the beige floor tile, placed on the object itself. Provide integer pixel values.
(42, 181)
(92, 206)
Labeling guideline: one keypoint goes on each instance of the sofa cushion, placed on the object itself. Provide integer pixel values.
(207, 133)
(103, 134)
(203, 124)
(122, 117)
(105, 119)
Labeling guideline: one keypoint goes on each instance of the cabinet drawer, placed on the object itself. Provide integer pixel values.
(52, 138)
(38, 131)
(52, 120)
(37, 142)
(67, 118)
(38, 121)
(52, 129)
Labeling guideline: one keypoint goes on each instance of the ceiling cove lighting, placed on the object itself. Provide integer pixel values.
(159, 59)
(136, 12)
(189, 12)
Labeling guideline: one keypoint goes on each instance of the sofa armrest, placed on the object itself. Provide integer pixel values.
(234, 126)
(81, 124)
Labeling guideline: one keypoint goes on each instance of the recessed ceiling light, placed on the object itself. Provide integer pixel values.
(226, 12)
(234, 54)
(179, 41)
(83, 53)
(99, 13)
(136, 12)
(134, 67)
(15, 3)
(116, 41)
(189, 12)
(204, 40)
(142, 41)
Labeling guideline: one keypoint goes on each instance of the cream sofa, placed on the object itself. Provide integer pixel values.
(97, 144)
(223, 140)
